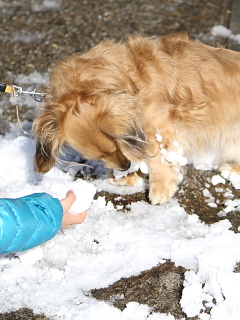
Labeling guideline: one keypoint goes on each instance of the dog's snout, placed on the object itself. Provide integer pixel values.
(128, 165)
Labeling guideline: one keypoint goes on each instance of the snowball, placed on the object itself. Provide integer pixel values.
(83, 190)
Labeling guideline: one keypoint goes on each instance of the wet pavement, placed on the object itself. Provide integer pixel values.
(37, 33)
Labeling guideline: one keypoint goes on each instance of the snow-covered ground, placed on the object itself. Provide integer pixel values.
(52, 278)
(111, 244)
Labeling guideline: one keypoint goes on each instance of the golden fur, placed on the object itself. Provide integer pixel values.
(109, 103)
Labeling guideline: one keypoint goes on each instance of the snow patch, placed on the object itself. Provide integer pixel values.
(221, 31)
(217, 179)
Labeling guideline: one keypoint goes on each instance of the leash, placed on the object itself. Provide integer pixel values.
(18, 91)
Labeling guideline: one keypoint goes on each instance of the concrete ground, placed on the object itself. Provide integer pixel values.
(34, 37)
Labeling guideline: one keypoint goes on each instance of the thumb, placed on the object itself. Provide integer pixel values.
(68, 201)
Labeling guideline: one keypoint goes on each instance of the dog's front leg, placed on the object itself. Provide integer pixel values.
(163, 180)
(165, 168)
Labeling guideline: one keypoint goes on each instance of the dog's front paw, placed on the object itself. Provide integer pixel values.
(129, 180)
(160, 192)
(163, 183)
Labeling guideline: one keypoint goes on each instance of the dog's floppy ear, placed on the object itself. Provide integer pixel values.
(47, 130)
(121, 120)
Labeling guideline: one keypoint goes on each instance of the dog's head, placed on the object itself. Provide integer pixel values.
(96, 113)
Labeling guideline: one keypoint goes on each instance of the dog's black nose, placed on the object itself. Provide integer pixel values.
(126, 167)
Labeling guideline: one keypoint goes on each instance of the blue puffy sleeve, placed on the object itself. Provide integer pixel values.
(28, 221)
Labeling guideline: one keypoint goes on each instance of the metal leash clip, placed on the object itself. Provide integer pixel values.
(18, 91)
(37, 96)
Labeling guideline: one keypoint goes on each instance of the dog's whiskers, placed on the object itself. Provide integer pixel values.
(72, 163)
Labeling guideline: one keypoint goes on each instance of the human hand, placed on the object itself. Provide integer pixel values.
(68, 218)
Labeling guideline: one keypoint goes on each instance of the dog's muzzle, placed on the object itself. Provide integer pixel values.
(126, 167)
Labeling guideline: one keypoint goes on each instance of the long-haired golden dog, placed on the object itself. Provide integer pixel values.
(160, 101)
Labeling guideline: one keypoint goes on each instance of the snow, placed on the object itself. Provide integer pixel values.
(119, 174)
(18, 178)
(235, 179)
(221, 31)
(171, 156)
(158, 137)
(217, 179)
(54, 277)
(142, 166)
(192, 293)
